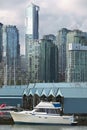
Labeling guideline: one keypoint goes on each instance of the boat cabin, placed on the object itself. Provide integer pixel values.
(48, 108)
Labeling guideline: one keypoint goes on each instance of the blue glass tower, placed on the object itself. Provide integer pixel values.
(12, 53)
(13, 50)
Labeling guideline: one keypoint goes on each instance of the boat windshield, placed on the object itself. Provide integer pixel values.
(48, 111)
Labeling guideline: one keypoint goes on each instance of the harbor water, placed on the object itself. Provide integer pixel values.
(41, 127)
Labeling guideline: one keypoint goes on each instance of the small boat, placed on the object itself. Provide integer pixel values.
(48, 113)
(5, 108)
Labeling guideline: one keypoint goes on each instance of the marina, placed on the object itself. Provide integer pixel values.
(71, 96)
(43, 76)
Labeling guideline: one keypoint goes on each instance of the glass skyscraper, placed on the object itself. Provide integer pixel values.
(31, 42)
(32, 22)
(12, 48)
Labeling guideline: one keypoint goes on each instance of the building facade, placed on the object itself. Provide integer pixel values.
(11, 54)
(61, 43)
(24, 72)
(1, 39)
(72, 96)
(33, 51)
(32, 21)
(12, 95)
(31, 42)
(48, 59)
(76, 69)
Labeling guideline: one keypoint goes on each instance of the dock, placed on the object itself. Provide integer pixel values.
(6, 119)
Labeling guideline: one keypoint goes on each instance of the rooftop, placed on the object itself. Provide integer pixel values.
(73, 90)
(67, 90)
(12, 90)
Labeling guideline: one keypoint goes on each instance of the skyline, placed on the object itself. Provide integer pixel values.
(53, 15)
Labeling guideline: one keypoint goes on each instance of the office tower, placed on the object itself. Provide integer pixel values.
(1, 46)
(48, 59)
(12, 53)
(61, 43)
(76, 68)
(31, 41)
(32, 22)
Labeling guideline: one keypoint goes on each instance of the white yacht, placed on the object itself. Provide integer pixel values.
(43, 113)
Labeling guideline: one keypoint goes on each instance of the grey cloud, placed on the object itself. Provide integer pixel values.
(10, 4)
(82, 3)
(52, 17)
(54, 23)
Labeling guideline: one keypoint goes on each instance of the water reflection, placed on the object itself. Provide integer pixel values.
(41, 127)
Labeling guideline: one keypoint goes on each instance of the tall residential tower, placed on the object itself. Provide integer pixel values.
(76, 56)
(61, 43)
(31, 41)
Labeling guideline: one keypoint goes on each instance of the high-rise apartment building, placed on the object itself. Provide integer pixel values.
(11, 53)
(61, 43)
(33, 61)
(48, 59)
(31, 42)
(76, 68)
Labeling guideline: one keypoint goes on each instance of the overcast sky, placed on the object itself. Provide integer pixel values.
(53, 15)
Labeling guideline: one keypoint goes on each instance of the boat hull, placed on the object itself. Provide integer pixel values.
(27, 118)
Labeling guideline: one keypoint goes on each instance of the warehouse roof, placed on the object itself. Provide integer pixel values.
(12, 90)
(73, 90)
(68, 90)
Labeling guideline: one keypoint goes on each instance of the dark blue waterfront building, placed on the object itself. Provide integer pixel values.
(72, 96)
(12, 95)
